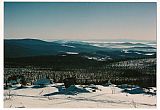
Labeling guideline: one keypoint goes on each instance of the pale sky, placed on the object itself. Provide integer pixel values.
(80, 20)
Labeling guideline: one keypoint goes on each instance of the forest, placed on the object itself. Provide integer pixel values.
(137, 71)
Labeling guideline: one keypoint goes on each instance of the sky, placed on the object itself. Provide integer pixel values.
(51, 20)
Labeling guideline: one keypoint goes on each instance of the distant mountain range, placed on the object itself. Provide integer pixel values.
(14, 48)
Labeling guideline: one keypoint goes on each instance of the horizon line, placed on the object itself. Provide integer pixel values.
(125, 40)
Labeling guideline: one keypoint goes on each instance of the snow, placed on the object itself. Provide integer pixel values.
(110, 45)
(137, 53)
(68, 46)
(16, 85)
(135, 91)
(72, 53)
(98, 58)
(122, 45)
(63, 55)
(98, 45)
(104, 97)
(149, 54)
(126, 51)
(92, 86)
(73, 90)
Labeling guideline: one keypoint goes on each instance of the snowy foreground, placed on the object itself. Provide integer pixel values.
(50, 97)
